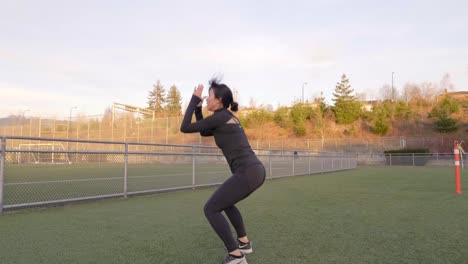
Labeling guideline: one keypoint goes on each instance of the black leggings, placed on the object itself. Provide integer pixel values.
(241, 184)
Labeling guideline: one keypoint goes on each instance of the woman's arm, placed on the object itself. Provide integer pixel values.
(199, 116)
(202, 125)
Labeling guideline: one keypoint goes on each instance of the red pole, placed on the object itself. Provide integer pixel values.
(456, 153)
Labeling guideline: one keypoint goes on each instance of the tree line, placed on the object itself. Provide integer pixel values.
(415, 100)
(164, 103)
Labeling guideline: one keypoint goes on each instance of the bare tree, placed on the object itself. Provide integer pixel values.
(446, 84)
(388, 92)
(361, 96)
(235, 94)
(252, 103)
(319, 126)
(422, 94)
(405, 92)
(107, 117)
(411, 92)
(319, 121)
(268, 107)
(429, 91)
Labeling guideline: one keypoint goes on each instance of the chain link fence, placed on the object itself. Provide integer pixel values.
(51, 171)
(421, 159)
(409, 159)
(127, 128)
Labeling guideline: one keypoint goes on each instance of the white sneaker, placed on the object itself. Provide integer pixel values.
(232, 260)
(245, 247)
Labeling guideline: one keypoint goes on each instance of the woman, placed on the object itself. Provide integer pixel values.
(248, 173)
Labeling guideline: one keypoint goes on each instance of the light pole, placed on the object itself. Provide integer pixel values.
(69, 121)
(22, 121)
(392, 88)
(303, 91)
(25, 112)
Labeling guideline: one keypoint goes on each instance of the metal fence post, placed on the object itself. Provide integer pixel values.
(269, 161)
(193, 167)
(138, 150)
(413, 159)
(125, 170)
(293, 165)
(390, 158)
(2, 170)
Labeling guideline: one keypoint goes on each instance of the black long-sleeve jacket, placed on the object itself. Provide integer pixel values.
(229, 135)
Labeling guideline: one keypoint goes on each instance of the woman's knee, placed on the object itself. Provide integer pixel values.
(209, 208)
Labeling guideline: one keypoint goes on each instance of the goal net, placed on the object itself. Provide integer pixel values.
(48, 153)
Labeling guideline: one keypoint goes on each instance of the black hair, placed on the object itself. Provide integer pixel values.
(222, 92)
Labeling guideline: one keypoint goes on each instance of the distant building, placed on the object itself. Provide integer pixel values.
(368, 105)
(459, 96)
(246, 110)
(312, 104)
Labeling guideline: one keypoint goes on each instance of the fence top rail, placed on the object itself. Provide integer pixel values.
(159, 144)
(417, 154)
(167, 153)
(102, 141)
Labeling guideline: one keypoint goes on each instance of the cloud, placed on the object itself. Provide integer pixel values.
(255, 53)
(16, 99)
(19, 94)
(78, 72)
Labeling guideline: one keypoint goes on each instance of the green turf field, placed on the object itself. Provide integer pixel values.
(33, 183)
(367, 215)
(42, 182)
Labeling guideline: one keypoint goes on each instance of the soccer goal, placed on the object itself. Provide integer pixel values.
(47, 153)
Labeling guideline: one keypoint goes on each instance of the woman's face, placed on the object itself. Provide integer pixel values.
(212, 102)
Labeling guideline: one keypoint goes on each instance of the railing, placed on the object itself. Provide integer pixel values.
(51, 171)
(419, 159)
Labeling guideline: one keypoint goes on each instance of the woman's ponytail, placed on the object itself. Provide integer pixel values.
(234, 106)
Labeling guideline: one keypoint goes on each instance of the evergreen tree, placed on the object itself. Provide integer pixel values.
(157, 98)
(347, 109)
(442, 113)
(299, 113)
(174, 101)
(381, 123)
(403, 110)
(281, 117)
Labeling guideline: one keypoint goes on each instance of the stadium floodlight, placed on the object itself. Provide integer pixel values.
(303, 92)
(69, 121)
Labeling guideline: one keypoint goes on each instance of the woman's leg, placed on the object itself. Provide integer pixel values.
(256, 177)
(233, 190)
(236, 220)
(229, 193)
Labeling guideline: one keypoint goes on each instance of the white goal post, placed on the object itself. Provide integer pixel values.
(53, 153)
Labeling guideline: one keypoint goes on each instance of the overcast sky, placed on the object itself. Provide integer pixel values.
(58, 54)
